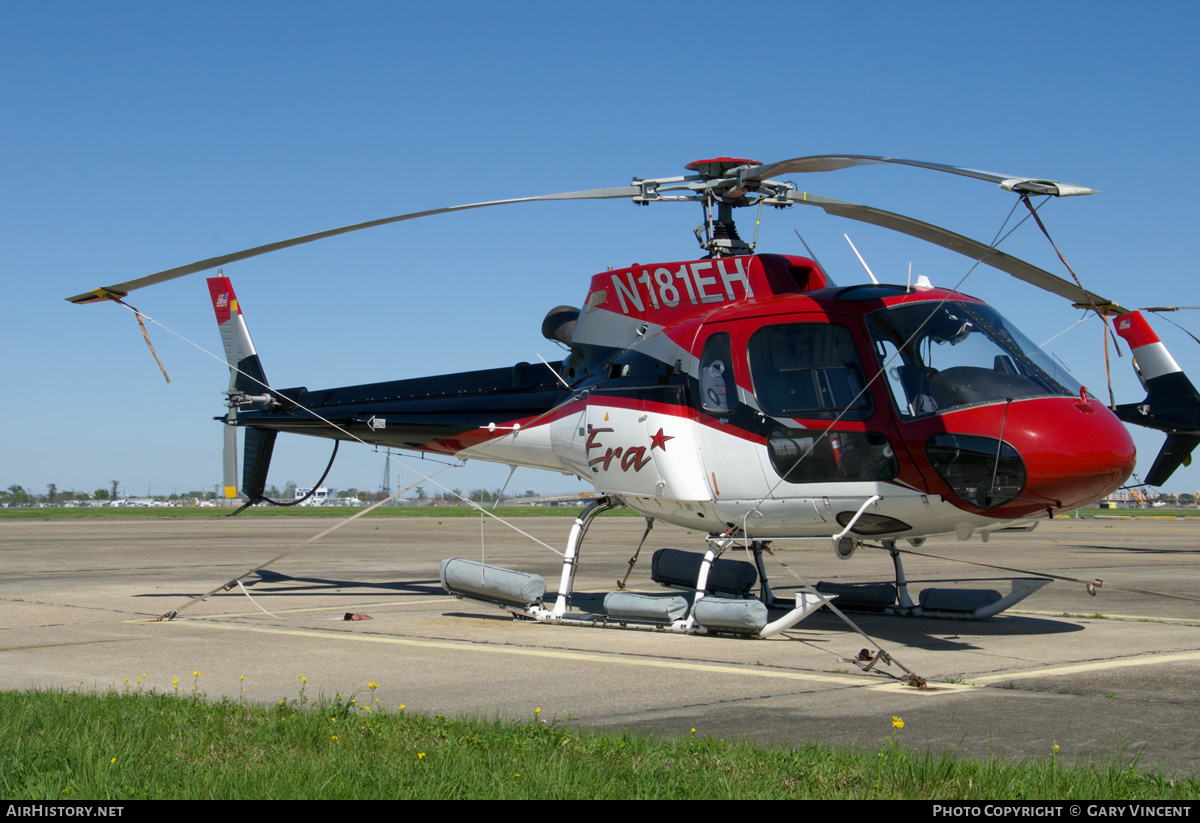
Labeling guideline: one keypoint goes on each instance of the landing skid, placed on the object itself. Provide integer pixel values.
(713, 594)
(943, 603)
(711, 602)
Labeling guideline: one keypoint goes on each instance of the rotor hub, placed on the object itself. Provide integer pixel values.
(718, 166)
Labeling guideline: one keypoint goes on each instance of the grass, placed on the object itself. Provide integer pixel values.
(57, 745)
(1163, 513)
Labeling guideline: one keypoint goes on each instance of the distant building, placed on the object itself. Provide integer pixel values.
(320, 497)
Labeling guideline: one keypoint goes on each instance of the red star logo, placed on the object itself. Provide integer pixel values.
(659, 441)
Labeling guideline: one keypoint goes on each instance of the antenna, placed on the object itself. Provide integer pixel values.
(813, 255)
(860, 260)
(386, 486)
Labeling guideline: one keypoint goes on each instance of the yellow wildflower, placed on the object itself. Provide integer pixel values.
(897, 723)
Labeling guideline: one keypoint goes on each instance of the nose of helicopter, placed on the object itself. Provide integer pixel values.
(1057, 453)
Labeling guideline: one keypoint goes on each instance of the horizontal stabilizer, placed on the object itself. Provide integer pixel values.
(1172, 404)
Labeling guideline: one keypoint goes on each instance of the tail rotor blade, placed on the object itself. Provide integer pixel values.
(229, 460)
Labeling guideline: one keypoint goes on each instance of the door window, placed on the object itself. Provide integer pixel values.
(808, 370)
(718, 391)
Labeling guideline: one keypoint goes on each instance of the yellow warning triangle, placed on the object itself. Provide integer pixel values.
(606, 417)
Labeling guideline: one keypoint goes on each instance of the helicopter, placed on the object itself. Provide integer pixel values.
(747, 396)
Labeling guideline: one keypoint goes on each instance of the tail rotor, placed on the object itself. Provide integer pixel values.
(247, 387)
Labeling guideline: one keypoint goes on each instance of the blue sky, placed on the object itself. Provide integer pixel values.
(140, 136)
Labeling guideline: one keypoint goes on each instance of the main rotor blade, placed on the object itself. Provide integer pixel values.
(122, 289)
(834, 162)
(963, 245)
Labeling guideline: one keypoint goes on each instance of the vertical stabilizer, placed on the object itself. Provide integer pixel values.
(247, 387)
(246, 373)
(1172, 403)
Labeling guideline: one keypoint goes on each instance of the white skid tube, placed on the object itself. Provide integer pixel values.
(806, 604)
(571, 557)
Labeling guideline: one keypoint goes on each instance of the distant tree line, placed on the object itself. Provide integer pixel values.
(18, 495)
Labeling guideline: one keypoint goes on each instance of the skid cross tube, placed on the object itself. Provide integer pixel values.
(571, 557)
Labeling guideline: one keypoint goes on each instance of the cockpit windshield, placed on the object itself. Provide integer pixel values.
(947, 355)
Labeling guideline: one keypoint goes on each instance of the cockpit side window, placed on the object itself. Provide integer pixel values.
(808, 370)
(718, 391)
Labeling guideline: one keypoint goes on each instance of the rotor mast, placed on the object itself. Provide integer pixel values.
(720, 235)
